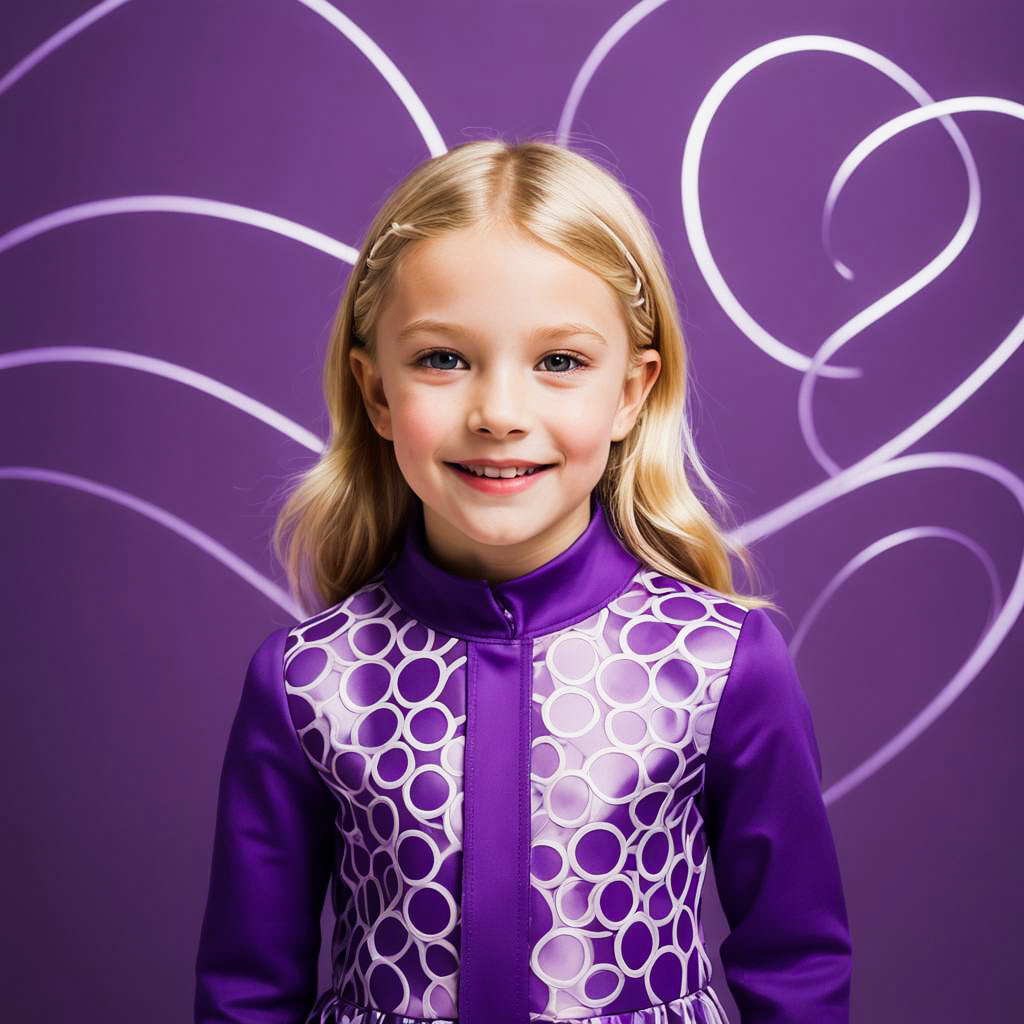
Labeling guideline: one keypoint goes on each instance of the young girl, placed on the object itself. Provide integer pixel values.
(531, 704)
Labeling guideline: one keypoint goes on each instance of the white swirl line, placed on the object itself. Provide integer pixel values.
(355, 35)
(179, 204)
(690, 176)
(601, 49)
(58, 39)
(171, 371)
(890, 543)
(185, 530)
(386, 66)
(1000, 624)
(988, 367)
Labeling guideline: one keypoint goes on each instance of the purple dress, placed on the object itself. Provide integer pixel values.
(513, 790)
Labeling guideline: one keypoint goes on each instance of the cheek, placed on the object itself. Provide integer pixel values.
(417, 420)
(582, 428)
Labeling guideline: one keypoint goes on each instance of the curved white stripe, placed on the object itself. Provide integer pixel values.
(880, 547)
(185, 530)
(1000, 625)
(179, 204)
(172, 371)
(366, 46)
(690, 175)
(836, 340)
(58, 39)
(602, 48)
(384, 64)
(824, 492)
(951, 689)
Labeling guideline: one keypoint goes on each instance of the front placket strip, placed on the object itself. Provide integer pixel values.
(494, 964)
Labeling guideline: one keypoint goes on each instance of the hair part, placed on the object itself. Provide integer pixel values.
(345, 517)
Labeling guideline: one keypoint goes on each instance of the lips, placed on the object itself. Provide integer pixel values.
(530, 470)
(497, 484)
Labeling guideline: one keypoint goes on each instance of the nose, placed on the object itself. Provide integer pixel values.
(498, 405)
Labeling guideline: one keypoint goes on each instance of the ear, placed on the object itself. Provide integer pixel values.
(367, 376)
(637, 386)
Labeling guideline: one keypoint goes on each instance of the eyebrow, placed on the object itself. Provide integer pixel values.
(457, 331)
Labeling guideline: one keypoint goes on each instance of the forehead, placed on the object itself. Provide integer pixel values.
(479, 276)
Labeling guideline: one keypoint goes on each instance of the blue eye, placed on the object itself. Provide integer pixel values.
(567, 355)
(448, 355)
(438, 352)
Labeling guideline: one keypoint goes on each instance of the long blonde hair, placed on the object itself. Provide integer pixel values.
(346, 515)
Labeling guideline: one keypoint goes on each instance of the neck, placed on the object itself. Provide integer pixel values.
(569, 586)
(460, 555)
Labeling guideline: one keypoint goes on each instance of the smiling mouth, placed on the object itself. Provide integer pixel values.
(459, 468)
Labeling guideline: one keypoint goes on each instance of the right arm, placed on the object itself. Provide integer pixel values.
(273, 852)
(788, 955)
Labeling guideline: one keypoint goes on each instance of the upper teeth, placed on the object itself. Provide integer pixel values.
(509, 471)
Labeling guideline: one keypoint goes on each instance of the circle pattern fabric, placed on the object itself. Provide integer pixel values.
(623, 706)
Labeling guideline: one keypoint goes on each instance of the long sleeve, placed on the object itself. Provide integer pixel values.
(272, 858)
(788, 955)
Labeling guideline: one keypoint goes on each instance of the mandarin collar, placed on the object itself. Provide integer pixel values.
(568, 588)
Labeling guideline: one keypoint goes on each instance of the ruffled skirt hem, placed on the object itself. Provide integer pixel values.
(701, 1006)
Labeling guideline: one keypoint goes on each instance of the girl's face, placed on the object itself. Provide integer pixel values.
(491, 378)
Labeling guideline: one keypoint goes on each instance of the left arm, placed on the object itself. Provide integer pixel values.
(272, 859)
(787, 958)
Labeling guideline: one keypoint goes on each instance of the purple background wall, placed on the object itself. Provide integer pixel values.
(137, 499)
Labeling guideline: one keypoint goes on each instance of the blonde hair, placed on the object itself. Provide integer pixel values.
(345, 517)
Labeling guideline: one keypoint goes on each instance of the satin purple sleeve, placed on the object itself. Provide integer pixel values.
(788, 955)
(272, 858)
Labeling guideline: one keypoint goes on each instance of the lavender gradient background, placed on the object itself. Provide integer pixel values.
(137, 505)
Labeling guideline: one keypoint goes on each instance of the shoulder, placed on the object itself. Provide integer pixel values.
(307, 644)
(762, 666)
(267, 661)
(743, 633)
(740, 652)
(367, 601)
(290, 658)
(657, 582)
(762, 707)
(688, 633)
(691, 606)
